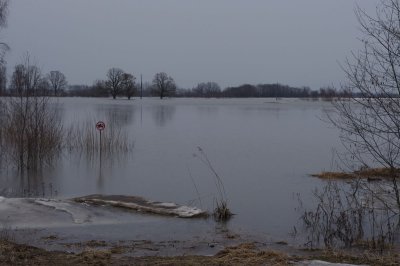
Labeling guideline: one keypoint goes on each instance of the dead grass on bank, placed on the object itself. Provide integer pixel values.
(371, 174)
(244, 254)
(366, 258)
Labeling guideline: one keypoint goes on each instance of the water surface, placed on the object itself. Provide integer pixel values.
(263, 150)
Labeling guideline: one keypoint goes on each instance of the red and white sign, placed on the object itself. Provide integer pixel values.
(100, 125)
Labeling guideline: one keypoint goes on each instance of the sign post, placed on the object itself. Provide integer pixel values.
(100, 126)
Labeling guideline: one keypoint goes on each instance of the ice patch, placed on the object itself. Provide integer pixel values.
(166, 204)
(185, 211)
(77, 213)
(142, 205)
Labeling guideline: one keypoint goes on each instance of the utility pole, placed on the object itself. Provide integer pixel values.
(141, 87)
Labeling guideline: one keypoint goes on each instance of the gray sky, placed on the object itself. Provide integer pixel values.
(294, 42)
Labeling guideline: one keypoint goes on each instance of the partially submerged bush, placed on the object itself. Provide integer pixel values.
(32, 131)
(351, 215)
(222, 212)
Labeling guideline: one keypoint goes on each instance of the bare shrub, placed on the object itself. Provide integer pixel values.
(347, 215)
(32, 128)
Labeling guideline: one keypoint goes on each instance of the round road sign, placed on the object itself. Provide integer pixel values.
(100, 125)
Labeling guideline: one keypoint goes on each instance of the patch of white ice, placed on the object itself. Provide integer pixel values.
(166, 204)
(77, 213)
(185, 211)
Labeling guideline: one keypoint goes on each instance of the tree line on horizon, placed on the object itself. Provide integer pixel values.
(119, 83)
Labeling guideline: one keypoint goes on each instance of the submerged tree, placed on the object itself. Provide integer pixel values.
(32, 128)
(128, 85)
(58, 82)
(3, 79)
(3, 46)
(3, 21)
(209, 89)
(115, 77)
(164, 85)
(370, 123)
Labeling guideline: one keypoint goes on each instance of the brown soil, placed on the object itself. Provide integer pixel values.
(244, 254)
(371, 174)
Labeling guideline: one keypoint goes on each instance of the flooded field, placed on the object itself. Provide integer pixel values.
(262, 149)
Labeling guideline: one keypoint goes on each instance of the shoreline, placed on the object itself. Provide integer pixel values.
(248, 253)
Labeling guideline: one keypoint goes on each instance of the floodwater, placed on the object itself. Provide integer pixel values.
(262, 149)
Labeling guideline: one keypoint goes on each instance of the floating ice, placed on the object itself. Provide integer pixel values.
(143, 205)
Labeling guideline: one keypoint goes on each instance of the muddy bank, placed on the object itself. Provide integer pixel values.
(16, 254)
(369, 174)
(243, 254)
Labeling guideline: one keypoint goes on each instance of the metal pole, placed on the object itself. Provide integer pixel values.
(100, 146)
(141, 87)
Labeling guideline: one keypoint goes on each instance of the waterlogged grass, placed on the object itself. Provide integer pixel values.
(221, 212)
(370, 173)
(86, 138)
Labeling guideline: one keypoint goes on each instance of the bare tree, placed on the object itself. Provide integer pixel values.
(32, 129)
(57, 81)
(370, 122)
(164, 85)
(128, 85)
(209, 89)
(114, 81)
(99, 89)
(3, 79)
(3, 12)
(3, 21)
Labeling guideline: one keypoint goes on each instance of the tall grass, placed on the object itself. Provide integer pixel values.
(85, 137)
(221, 211)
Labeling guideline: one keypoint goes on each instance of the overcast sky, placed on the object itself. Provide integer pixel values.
(296, 42)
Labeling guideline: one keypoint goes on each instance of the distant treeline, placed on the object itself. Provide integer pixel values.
(119, 83)
(212, 90)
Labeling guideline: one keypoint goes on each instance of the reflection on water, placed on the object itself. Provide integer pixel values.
(162, 114)
(27, 184)
(116, 114)
(262, 151)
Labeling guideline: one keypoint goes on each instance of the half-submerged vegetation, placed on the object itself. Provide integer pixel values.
(221, 212)
(371, 174)
(84, 137)
(33, 134)
(31, 128)
(356, 215)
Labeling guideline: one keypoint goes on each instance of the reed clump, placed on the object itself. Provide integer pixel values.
(85, 137)
(221, 212)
